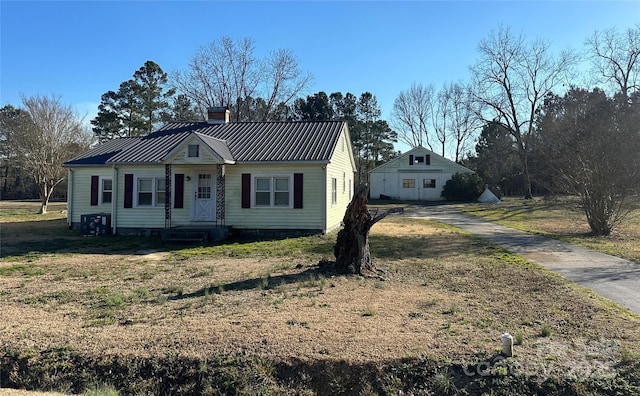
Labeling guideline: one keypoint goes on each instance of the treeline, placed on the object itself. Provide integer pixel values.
(508, 122)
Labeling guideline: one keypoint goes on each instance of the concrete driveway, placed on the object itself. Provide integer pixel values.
(611, 277)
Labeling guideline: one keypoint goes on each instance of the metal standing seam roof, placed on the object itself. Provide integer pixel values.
(217, 145)
(298, 141)
(103, 152)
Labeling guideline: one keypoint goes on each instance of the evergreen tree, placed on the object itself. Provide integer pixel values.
(136, 108)
(497, 161)
(153, 98)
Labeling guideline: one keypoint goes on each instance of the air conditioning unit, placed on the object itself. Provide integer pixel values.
(95, 224)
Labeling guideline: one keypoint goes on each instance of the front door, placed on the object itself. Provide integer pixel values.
(204, 205)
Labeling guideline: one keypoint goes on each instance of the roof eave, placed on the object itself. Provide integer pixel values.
(269, 162)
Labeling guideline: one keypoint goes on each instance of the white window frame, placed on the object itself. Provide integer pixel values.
(406, 183)
(197, 146)
(425, 185)
(272, 190)
(154, 190)
(102, 190)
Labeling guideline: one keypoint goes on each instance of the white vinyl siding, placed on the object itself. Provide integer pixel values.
(340, 166)
(80, 192)
(310, 217)
(139, 216)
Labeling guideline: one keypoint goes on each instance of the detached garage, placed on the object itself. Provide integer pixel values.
(417, 175)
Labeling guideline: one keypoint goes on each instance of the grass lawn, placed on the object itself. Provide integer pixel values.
(260, 317)
(563, 219)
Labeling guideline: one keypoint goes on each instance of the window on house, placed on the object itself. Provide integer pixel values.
(408, 183)
(193, 151)
(272, 191)
(429, 183)
(334, 191)
(150, 191)
(420, 160)
(161, 191)
(106, 190)
(281, 191)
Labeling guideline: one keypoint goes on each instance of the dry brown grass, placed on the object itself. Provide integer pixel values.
(562, 218)
(450, 296)
(21, 392)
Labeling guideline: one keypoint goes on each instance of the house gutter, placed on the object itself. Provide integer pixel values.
(324, 199)
(70, 198)
(114, 202)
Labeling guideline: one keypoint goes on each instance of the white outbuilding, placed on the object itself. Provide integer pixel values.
(417, 175)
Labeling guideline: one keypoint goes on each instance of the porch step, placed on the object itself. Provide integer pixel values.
(185, 236)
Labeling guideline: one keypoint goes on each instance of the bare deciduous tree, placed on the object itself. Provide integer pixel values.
(440, 118)
(283, 79)
(616, 58)
(227, 73)
(424, 117)
(44, 135)
(462, 120)
(511, 78)
(412, 115)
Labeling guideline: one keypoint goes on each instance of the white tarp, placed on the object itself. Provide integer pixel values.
(488, 197)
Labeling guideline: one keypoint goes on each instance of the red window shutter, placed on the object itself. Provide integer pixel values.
(411, 160)
(128, 190)
(178, 198)
(297, 190)
(95, 182)
(246, 190)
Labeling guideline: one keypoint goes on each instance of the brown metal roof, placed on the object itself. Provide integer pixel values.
(246, 141)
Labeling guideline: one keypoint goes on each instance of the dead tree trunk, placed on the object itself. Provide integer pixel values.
(352, 245)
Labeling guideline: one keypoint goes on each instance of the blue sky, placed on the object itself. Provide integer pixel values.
(81, 49)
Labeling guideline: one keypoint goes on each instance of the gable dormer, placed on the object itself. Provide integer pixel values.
(200, 149)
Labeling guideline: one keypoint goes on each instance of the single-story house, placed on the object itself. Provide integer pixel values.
(417, 175)
(251, 176)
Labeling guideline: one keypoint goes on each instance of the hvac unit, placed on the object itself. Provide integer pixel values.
(95, 224)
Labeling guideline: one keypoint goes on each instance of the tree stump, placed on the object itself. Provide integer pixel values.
(352, 245)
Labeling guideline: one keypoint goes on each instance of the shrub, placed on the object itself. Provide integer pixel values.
(463, 187)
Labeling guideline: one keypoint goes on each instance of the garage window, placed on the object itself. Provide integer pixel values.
(429, 183)
(408, 183)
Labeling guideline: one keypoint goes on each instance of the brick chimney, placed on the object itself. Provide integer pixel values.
(217, 115)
